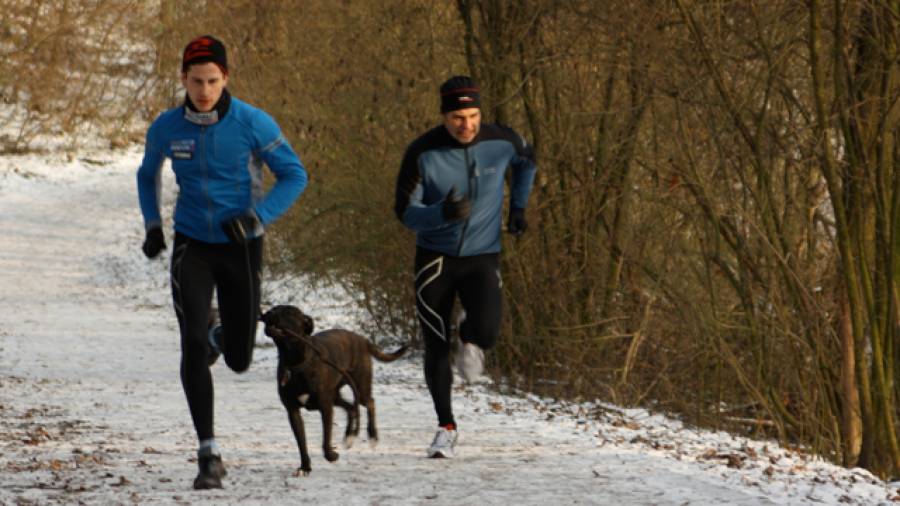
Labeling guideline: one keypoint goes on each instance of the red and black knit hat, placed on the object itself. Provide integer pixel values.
(459, 92)
(205, 49)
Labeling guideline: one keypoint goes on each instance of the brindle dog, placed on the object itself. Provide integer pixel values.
(313, 368)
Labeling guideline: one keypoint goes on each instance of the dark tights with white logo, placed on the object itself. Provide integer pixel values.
(439, 279)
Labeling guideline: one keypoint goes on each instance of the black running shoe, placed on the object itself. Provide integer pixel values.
(215, 336)
(211, 470)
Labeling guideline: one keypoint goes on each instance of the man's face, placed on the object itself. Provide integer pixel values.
(204, 83)
(463, 124)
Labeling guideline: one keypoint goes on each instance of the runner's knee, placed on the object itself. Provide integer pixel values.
(481, 332)
(194, 351)
(238, 352)
(237, 364)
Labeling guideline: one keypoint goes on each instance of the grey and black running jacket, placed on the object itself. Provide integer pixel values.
(436, 162)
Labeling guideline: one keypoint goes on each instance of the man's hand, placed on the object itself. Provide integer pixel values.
(240, 228)
(456, 208)
(516, 224)
(154, 242)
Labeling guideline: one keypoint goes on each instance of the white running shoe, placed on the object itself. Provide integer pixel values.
(469, 361)
(457, 322)
(443, 444)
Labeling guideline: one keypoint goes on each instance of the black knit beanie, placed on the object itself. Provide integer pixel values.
(459, 92)
(205, 49)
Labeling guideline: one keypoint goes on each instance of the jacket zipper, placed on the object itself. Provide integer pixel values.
(470, 171)
(209, 204)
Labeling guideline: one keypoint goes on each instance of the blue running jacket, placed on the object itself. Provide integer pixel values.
(219, 170)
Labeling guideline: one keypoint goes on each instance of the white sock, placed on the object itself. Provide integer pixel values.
(211, 444)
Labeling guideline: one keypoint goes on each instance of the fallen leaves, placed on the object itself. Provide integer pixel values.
(733, 460)
(37, 436)
(123, 481)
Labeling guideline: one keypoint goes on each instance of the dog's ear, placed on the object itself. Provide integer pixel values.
(308, 325)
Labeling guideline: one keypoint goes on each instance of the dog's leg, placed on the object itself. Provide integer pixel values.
(326, 407)
(300, 435)
(352, 415)
(371, 428)
(352, 420)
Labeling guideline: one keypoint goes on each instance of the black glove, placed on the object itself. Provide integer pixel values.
(516, 223)
(154, 242)
(456, 208)
(240, 228)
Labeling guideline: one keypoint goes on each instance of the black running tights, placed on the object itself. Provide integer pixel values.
(234, 272)
(439, 278)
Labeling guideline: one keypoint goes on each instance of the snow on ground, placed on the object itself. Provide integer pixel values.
(91, 407)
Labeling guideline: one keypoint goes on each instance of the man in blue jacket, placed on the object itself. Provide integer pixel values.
(450, 192)
(217, 145)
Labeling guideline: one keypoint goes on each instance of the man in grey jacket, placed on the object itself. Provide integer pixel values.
(450, 192)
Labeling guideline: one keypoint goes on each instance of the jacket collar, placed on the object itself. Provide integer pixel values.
(217, 113)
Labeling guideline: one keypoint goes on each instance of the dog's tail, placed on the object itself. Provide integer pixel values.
(385, 357)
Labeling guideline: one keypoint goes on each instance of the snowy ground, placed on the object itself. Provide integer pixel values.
(91, 408)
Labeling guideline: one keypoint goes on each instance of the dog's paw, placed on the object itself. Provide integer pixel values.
(373, 442)
(331, 455)
(300, 472)
(348, 441)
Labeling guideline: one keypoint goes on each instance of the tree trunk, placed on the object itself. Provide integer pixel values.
(851, 420)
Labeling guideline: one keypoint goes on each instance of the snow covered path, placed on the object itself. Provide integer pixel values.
(91, 407)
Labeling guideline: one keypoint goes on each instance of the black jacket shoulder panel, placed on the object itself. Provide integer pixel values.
(409, 176)
(436, 138)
